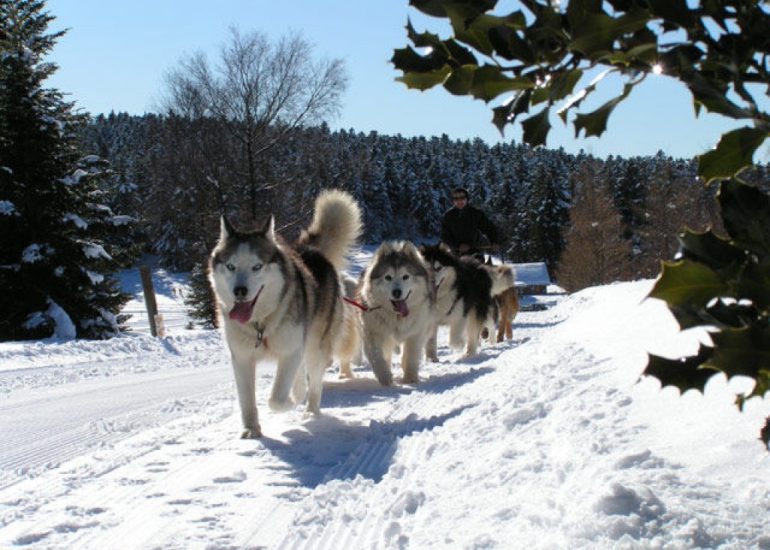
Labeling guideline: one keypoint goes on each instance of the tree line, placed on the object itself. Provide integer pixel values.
(176, 174)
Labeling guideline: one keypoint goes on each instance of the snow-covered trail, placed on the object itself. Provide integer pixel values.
(159, 463)
(45, 428)
(547, 441)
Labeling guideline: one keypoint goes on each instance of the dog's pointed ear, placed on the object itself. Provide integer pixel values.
(226, 229)
(269, 228)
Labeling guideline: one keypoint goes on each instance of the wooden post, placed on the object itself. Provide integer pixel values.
(149, 298)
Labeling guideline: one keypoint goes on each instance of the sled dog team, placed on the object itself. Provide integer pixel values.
(290, 303)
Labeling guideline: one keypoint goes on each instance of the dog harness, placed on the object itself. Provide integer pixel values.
(362, 307)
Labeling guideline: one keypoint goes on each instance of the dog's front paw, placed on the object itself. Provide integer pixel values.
(346, 373)
(251, 433)
(312, 413)
(278, 405)
(457, 343)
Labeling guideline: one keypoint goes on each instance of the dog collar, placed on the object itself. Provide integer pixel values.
(261, 338)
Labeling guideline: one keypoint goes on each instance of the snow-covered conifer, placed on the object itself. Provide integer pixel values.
(55, 263)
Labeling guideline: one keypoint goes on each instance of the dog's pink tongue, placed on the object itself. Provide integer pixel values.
(241, 312)
(401, 308)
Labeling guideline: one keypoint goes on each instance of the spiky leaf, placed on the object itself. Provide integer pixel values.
(709, 249)
(536, 128)
(688, 282)
(424, 80)
(595, 122)
(734, 152)
(686, 373)
(489, 82)
(742, 352)
(746, 214)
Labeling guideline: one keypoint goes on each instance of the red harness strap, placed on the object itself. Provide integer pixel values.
(352, 302)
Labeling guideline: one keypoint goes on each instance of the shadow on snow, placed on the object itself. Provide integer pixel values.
(327, 447)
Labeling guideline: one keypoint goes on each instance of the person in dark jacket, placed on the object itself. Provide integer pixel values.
(464, 226)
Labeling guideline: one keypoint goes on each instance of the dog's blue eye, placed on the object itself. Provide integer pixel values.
(405, 277)
(230, 267)
(388, 278)
(256, 267)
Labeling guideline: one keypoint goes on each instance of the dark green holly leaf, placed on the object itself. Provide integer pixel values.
(473, 32)
(644, 54)
(509, 45)
(476, 31)
(685, 373)
(408, 61)
(731, 315)
(753, 284)
(595, 123)
(689, 315)
(459, 82)
(438, 8)
(734, 152)
(422, 39)
(489, 82)
(424, 80)
(709, 249)
(746, 215)
(506, 114)
(501, 117)
(564, 83)
(578, 97)
(688, 282)
(536, 128)
(679, 62)
(673, 10)
(742, 352)
(712, 95)
(540, 94)
(595, 33)
(592, 33)
(459, 55)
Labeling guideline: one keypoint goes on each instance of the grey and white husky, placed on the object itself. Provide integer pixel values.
(283, 302)
(398, 292)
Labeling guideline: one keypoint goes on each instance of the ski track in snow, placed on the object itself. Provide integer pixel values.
(543, 414)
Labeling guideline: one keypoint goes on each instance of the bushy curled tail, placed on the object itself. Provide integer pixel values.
(336, 226)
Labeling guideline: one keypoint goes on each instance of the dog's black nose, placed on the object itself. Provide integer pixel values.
(240, 291)
(396, 293)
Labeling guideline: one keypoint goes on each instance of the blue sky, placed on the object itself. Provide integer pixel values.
(115, 54)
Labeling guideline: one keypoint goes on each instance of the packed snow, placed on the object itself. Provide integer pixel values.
(550, 440)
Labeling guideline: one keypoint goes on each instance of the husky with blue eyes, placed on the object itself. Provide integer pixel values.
(397, 292)
(284, 303)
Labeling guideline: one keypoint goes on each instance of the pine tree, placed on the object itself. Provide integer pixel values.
(200, 300)
(53, 262)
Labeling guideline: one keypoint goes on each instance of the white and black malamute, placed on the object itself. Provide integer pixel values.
(465, 290)
(283, 302)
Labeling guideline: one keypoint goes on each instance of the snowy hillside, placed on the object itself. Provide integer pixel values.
(547, 441)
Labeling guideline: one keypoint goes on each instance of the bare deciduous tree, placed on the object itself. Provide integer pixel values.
(260, 90)
(595, 252)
